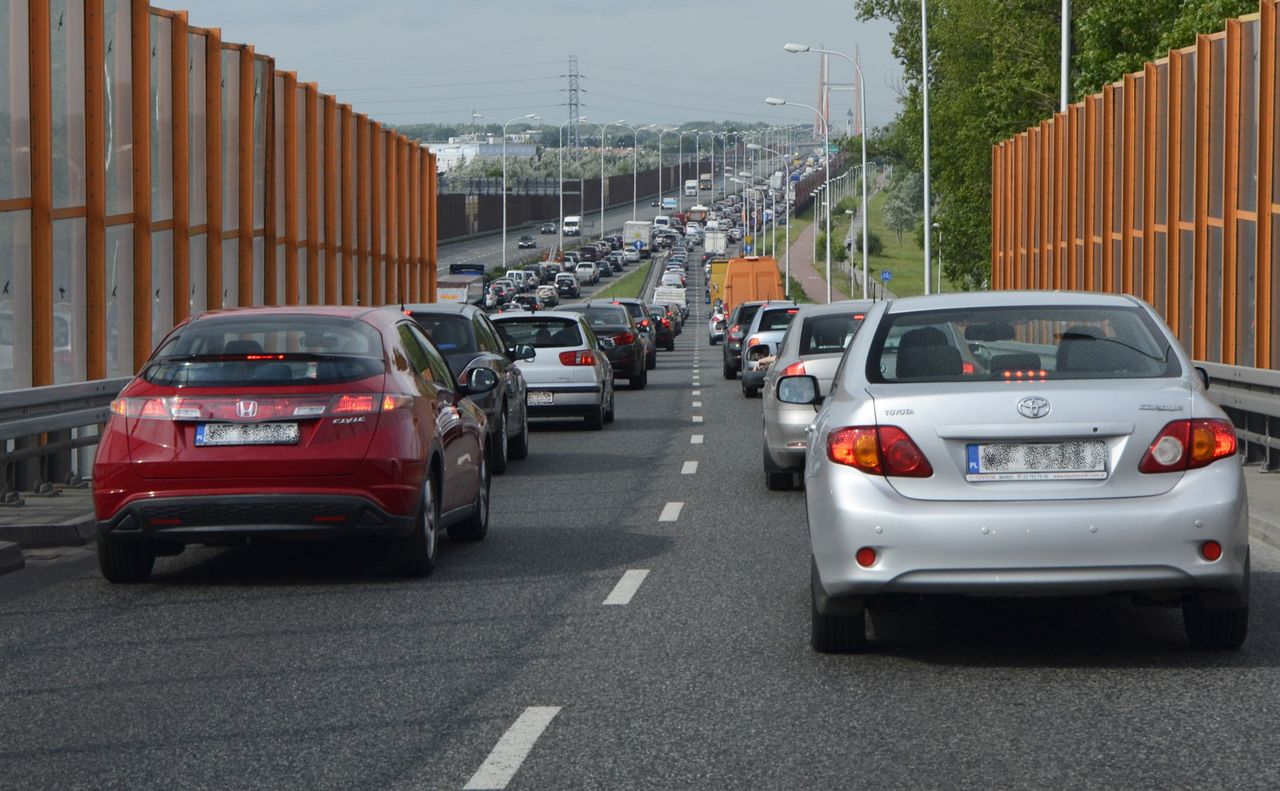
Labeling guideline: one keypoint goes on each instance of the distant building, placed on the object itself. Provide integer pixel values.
(469, 147)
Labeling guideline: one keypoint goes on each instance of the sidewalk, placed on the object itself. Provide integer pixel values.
(877, 288)
(806, 274)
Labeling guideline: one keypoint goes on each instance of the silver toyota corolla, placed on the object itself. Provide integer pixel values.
(814, 345)
(1022, 443)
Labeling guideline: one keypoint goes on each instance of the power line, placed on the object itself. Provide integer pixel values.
(445, 84)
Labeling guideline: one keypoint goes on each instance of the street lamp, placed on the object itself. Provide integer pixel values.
(826, 164)
(661, 131)
(786, 206)
(560, 184)
(603, 130)
(862, 113)
(680, 186)
(529, 117)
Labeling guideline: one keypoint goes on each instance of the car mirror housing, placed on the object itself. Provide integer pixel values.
(525, 352)
(798, 390)
(607, 344)
(479, 380)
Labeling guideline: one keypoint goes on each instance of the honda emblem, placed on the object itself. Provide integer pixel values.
(246, 409)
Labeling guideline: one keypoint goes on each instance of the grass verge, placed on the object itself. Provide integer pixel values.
(629, 285)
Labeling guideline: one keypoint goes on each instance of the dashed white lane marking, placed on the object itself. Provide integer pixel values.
(697, 404)
(697, 418)
(699, 392)
(626, 587)
(696, 439)
(689, 468)
(511, 750)
(670, 512)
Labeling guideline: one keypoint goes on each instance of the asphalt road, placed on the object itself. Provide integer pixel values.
(313, 667)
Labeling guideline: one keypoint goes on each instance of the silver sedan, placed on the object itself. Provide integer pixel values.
(1022, 443)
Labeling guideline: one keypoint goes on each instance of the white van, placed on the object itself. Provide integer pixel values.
(519, 277)
(572, 225)
(714, 225)
(662, 221)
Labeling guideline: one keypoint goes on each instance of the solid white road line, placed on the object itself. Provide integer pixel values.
(696, 439)
(689, 468)
(511, 750)
(670, 512)
(627, 586)
(697, 418)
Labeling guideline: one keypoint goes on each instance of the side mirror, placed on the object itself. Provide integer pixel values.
(1204, 376)
(607, 344)
(478, 380)
(798, 390)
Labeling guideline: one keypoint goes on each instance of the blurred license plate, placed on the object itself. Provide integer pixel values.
(247, 434)
(539, 397)
(1037, 461)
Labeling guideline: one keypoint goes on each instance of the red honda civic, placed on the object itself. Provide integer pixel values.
(303, 422)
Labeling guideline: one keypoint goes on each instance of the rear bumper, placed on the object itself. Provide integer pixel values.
(199, 519)
(566, 400)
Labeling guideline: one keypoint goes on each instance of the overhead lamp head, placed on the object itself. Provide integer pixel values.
(796, 47)
(775, 101)
(754, 146)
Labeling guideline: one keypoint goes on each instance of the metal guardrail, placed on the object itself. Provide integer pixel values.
(1251, 397)
(36, 431)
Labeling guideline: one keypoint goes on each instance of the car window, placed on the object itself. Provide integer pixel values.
(746, 313)
(602, 315)
(1020, 343)
(439, 369)
(267, 350)
(541, 332)
(776, 319)
(451, 333)
(827, 334)
(487, 335)
(415, 351)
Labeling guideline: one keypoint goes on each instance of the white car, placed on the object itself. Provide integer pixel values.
(586, 273)
(631, 255)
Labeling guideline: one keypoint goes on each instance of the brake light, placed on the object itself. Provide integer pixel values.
(795, 369)
(878, 450)
(352, 404)
(644, 322)
(583, 357)
(1189, 444)
(624, 338)
(666, 322)
(735, 331)
(1025, 375)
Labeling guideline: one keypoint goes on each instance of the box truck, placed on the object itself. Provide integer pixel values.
(637, 231)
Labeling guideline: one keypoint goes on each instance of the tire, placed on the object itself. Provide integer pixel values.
(498, 445)
(595, 419)
(124, 561)
(518, 448)
(417, 551)
(651, 362)
(1220, 624)
(835, 632)
(476, 526)
(671, 347)
(729, 371)
(639, 382)
(609, 413)
(776, 480)
(750, 392)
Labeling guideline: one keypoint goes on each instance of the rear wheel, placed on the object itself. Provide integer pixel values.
(1215, 620)
(417, 551)
(837, 627)
(670, 346)
(477, 525)
(498, 442)
(729, 371)
(519, 446)
(595, 419)
(776, 480)
(608, 414)
(750, 392)
(651, 361)
(124, 561)
(639, 382)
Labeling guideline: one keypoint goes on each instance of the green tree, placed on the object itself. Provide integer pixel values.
(899, 216)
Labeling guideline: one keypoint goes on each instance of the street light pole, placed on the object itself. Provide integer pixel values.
(786, 250)
(560, 184)
(924, 86)
(862, 113)
(529, 117)
(603, 130)
(661, 132)
(826, 163)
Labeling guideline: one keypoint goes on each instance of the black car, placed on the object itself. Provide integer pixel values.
(567, 286)
(614, 323)
(589, 252)
(739, 322)
(640, 315)
(604, 268)
(526, 241)
(663, 333)
(547, 227)
(469, 341)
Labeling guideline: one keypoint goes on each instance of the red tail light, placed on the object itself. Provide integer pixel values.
(795, 369)
(583, 357)
(666, 322)
(735, 331)
(882, 450)
(624, 338)
(354, 404)
(256, 409)
(644, 322)
(1188, 444)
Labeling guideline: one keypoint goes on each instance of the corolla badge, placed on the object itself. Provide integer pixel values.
(1033, 407)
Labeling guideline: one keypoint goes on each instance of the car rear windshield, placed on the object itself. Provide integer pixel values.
(601, 315)
(746, 313)
(450, 333)
(776, 319)
(1020, 343)
(540, 333)
(267, 350)
(828, 334)
(636, 310)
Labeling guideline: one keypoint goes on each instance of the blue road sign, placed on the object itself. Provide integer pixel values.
(746, 248)
(638, 245)
(886, 276)
(795, 176)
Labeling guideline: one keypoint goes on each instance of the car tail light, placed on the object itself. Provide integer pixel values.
(795, 369)
(878, 450)
(1188, 444)
(666, 322)
(624, 338)
(644, 322)
(582, 357)
(735, 332)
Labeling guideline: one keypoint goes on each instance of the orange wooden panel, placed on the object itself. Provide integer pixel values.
(1060, 159)
(347, 220)
(1127, 145)
(181, 126)
(377, 160)
(1090, 189)
(1230, 193)
(95, 190)
(1148, 263)
(364, 266)
(330, 111)
(292, 288)
(1266, 161)
(140, 18)
(997, 209)
(270, 208)
(1108, 185)
(213, 168)
(433, 238)
(245, 225)
(311, 201)
(1199, 307)
(1173, 185)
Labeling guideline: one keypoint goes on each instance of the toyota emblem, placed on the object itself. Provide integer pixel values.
(1033, 407)
(250, 408)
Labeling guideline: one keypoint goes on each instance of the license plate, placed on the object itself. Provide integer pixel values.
(246, 434)
(539, 397)
(1036, 461)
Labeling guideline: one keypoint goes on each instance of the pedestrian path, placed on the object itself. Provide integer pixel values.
(876, 289)
(810, 278)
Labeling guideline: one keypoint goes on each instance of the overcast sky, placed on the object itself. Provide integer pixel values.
(407, 61)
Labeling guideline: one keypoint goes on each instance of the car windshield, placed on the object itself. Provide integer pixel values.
(540, 333)
(601, 315)
(828, 334)
(1020, 343)
(776, 319)
(450, 333)
(267, 350)
(746, 313)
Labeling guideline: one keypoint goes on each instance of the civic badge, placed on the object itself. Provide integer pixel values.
(1033, 407)
(250, 408)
